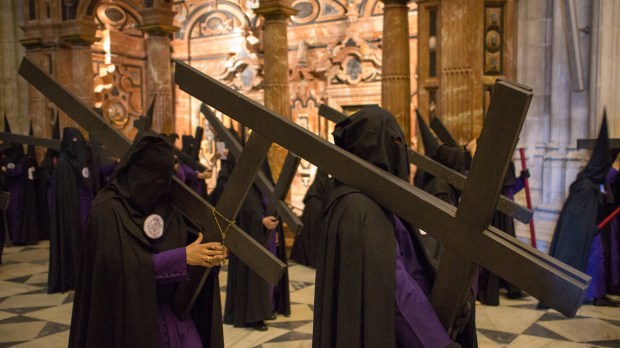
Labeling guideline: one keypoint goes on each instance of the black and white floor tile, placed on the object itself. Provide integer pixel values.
(29, 317)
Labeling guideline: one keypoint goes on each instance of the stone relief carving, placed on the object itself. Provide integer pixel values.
(355, 61)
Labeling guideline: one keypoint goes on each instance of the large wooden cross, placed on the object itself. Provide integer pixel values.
(265, 186)
(465, 233)
(259, 259)
(436, 169)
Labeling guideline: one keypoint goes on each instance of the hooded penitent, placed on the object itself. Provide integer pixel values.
(577, 224)
(360, 286)
(71, 198)
(117, 300)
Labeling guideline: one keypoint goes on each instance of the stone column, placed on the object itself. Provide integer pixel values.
(157, 24)
(63, 50)
(12, 89)
(276, 87)
(395, 79)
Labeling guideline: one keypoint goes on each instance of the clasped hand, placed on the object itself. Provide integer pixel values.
(206, 255)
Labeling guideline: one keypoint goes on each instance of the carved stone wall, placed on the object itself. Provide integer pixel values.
(334, 58)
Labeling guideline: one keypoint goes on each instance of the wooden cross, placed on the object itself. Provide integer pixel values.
(465, 232)
(436, 169)
(262, 182)
(259, 259)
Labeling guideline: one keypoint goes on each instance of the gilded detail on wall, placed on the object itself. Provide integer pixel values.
(493, 39)
(121, 97)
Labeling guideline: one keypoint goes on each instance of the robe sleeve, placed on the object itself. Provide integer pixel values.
(170, 266)
(415, 317)
(518, 185)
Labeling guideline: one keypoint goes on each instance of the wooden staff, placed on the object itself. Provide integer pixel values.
(528, 199)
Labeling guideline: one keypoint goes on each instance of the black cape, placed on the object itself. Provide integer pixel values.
(584, 208)
(355, 274)
(306, 241)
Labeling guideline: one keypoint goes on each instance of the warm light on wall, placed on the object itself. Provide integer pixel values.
(103, 80)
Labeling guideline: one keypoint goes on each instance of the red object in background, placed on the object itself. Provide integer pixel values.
(608, 218)
(527, 197)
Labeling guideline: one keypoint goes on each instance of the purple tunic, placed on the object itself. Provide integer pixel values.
(190, 177)
(417, 325)
(171, 267)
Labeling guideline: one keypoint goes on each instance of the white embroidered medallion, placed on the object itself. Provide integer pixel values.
(154, 226)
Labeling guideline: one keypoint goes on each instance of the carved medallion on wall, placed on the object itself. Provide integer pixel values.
(315, 11)
(493, 39)
(214, 23)
(355, 61)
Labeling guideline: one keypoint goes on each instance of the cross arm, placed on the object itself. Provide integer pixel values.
(264, 185)
(53, 144)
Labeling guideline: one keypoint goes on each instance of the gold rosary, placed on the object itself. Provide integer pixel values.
(230, 223)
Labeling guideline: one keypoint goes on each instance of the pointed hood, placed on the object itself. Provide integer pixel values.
(30, 150)
(373, 134)
(7, 128)
(428, 139)
(442, 132)
(600, 160)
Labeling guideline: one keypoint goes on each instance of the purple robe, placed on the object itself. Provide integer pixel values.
(417, 325)
(170, 267)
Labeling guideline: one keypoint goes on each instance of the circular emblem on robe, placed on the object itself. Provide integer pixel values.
(11, 165)
(85, 172)
(154, 226)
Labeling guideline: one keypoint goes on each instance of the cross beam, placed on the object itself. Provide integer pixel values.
(259, 259)
(287, 174)
(53, 144)
(589, 144)
(262, 182)
(468, 236)
(454, 178)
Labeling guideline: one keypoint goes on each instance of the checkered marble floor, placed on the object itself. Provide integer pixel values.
(29, 317)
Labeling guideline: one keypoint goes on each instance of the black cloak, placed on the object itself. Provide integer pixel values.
(584, 208)
(43, 182)
(356, 275)
(306, 241)
(116, 296)
(70, 199)
(29, 227)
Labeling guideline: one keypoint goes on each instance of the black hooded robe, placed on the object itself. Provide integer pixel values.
(71, 199)
(359, 280)
(117, 299)
(583, 209)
